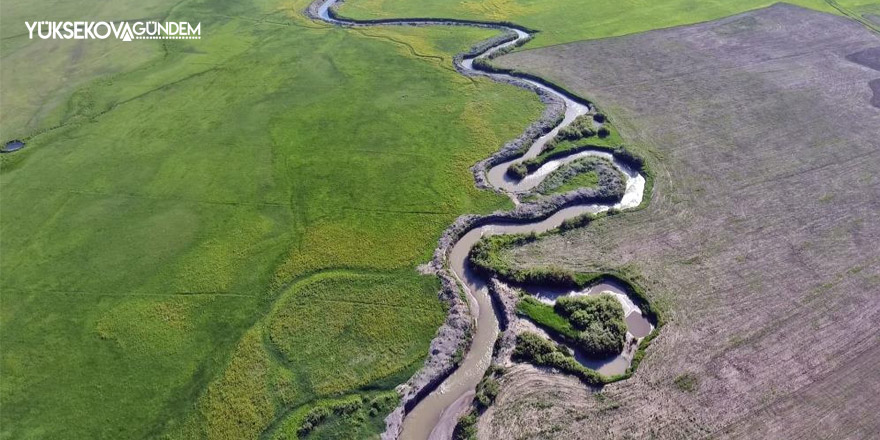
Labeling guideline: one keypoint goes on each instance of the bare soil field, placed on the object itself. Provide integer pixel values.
(760, 242)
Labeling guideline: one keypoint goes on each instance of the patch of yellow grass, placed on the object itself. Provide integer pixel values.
(238, 404)
(496, 10)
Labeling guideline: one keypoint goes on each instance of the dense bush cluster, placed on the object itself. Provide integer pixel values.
(581, 127)
(313, 419)
(580, 135)
(352, 410)
(486, 392)
(539, 351)
(602, 307)
(466, 429)
(600, 320)
(595, 323)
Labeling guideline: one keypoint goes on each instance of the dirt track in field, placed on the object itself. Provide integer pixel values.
(762, 242)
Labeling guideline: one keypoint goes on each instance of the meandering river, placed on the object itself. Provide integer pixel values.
(435, 416)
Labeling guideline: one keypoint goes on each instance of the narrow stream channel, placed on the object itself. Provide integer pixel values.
(435, 416)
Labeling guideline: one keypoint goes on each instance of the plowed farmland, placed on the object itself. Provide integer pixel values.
(760, 243)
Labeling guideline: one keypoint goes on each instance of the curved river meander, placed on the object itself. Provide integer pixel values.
(434, 416)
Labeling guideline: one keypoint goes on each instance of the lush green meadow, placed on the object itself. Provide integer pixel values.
(355, 320)
(573, 20)
(213, 234)
(39, 75)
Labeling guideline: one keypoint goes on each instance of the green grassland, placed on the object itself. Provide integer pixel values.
(39, 75)
(341, 331)
(180, 230)
(865, 12)
(544, 315)
(573, 20)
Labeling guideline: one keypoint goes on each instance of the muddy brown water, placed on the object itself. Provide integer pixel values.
(435, 416)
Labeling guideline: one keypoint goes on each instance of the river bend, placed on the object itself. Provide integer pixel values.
(435, 416)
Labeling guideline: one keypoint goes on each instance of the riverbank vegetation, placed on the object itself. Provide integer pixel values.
(591, 323)
(533, 348)
(490, 257)
(588, 178)
(587, 172)
(560, 147)
(353, 416)
(152, 231)
(581, 127)
(486, 392)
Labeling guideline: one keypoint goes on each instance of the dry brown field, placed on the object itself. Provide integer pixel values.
(761, 243)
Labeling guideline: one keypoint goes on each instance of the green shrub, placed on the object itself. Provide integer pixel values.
(466, 429)
(517, 170)
(530, 346)
(314, 417)
(601, 308)
(580, 319)
(348, 407)
(344, 407)
(686, 382)
(594, 324)
(603, 132)
(458, 356)
(483, 64)
(581, 127)
(585, 172)
(603, 340)
(599, 117)
(539, 351)
(496, 370)
(487, 391)
(600, 319)
(546, 317)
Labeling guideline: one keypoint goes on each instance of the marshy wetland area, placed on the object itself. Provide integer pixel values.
(500, 219)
